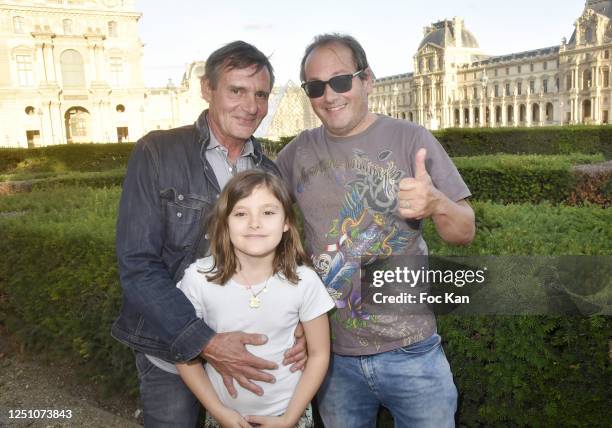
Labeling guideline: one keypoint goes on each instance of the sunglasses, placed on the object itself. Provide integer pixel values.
(340, 84)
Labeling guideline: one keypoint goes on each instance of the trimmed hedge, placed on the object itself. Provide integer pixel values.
(499, 178)
(549, 140)
(534, 178)
(60, 292)
(19, 164)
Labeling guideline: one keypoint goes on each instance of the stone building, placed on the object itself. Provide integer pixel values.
(455, 84)
(71, 72)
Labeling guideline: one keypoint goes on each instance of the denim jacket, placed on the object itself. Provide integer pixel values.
(168, 193)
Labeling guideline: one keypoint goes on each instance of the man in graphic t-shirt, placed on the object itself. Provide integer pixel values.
(364, 183)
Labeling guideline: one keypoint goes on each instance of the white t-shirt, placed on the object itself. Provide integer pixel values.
(226, 308)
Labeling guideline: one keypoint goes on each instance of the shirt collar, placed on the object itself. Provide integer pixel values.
(247, 150)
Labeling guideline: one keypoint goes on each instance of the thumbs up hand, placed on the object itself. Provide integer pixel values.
(417, 196)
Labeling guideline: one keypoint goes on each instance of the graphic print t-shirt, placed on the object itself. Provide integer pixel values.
(347, 190)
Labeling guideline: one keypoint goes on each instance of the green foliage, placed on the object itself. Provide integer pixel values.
(20, 164)
(111, 178)
(530, 371)
(58, 274)
(59, 279)
(539, 140)
(548, 140)
(527, 178)
(524, 229)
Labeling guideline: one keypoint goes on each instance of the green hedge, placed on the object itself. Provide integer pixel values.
(499, 178)
(111, 178)
(15, 164)
(19, 164)
(541, 140)
(60, 292)
(534, 178)
(549, 140)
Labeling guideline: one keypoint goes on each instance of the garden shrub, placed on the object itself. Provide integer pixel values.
(18, 164)
(60, 292)
(523, 178)
(550, 140)
(547, 140)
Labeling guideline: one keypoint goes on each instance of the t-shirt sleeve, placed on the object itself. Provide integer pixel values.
(316, 300)
(443, 172)
(191, 285)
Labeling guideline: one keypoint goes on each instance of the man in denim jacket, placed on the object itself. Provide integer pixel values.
(173, 179)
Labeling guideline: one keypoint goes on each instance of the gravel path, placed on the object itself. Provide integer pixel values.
(26, 384)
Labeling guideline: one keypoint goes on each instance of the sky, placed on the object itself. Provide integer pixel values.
(389, 30)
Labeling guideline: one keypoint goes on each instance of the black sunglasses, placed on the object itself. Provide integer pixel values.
(340, 84)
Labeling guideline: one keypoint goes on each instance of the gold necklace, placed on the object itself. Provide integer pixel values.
(254, 300)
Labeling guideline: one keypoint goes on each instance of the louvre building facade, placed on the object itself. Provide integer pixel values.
(455, 84)
(71, 72)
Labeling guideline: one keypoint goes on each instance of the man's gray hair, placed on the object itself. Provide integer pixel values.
(238, 55)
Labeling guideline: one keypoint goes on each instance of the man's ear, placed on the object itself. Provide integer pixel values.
(369, 79)
(206, 89)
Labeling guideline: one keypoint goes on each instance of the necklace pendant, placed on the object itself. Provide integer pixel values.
(254, 302)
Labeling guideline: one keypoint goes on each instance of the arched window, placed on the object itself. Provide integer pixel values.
(549, 112)
(457, 121)
(466, 116)
(73, 73)
(77, 124)
(509, 114)
(498, 114)
(535, 112)
(19, 24)
(586, 110)
(522, 113)
(476, 115)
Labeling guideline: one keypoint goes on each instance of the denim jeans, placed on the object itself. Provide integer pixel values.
(414, 383)
(166, 400)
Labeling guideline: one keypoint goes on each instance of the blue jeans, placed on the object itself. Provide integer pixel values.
(166, 400)
(414, 383)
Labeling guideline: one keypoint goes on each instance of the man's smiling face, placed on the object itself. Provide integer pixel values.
(342, 114)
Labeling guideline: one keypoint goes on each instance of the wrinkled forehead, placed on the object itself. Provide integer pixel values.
(251, 72)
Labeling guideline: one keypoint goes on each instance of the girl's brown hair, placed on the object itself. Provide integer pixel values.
(289, 252)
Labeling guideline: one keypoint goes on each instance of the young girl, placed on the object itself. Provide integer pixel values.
(256, 281)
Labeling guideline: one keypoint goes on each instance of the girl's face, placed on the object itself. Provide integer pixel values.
(256, 224)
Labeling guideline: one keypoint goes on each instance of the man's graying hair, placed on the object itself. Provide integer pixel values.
(238, 55)
(359, 55)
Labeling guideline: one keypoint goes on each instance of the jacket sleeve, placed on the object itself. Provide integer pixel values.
(146, 282)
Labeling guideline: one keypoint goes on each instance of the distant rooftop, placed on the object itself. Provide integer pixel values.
(519, 55)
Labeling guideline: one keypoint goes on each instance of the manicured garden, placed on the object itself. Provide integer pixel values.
(60, 292)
